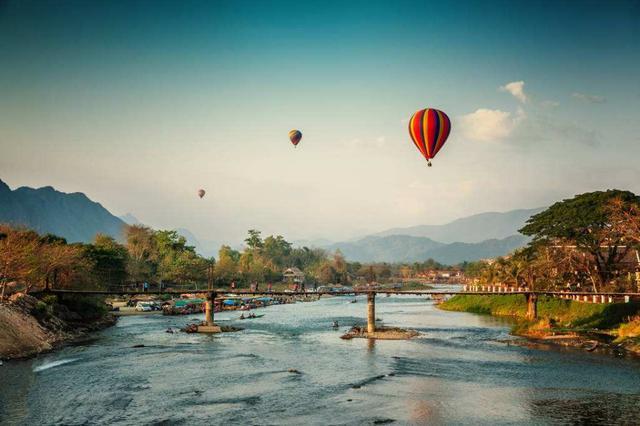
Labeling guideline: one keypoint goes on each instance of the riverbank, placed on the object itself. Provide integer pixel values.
(30, 326)
(611, 327)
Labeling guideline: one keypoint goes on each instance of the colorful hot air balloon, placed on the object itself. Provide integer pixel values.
(201, 193)
(429, 128)
(295, 136)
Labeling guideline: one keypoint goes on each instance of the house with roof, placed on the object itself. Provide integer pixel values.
(293, 275)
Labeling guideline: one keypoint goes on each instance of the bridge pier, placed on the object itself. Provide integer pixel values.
(210, 326)
(371, 312)
(532, 306)
(208, 309)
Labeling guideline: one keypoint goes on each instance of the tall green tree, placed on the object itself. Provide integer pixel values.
(277, 250)
(254, 240)
(583, 223)
(110, 260)
(226, 269)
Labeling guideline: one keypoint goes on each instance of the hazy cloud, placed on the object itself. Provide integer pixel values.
(549, 104)
(486, 125)
(592, 99)
(360, 143)
(516, 88)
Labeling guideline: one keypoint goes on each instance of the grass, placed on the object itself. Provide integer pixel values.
(559, 313)
(630, 329)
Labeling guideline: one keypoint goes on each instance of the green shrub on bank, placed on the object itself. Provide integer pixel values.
(50, 299)
(561, 313)
(40, 309)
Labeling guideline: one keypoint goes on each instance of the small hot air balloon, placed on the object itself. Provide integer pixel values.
(295, 136)
(201, 193)
(429, 128)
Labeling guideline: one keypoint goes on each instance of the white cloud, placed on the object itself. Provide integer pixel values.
(592, 99)
(486, 125)
(516, 88)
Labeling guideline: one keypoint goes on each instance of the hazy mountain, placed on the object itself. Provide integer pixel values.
(204, 247)
(453, 253)
(405, 248)
(72, 216)
(130, 219)
(317, 242)
(471, 229)
(394, 248)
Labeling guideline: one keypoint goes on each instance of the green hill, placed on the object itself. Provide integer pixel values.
(72, 216)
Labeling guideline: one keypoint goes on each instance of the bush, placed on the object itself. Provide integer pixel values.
(88, 307)
(50, 300)
(40, 309)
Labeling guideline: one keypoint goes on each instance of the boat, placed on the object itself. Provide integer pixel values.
(254, 317)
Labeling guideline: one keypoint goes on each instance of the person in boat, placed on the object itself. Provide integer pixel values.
(242, 315)
(252, 315)
(170, 330)
(335, 324)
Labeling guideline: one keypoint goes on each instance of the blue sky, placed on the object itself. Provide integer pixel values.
(139, 104)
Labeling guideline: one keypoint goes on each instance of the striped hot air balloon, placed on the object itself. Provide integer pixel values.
(295, 136)
(429, 128)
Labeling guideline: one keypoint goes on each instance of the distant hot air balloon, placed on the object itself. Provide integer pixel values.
(429, 128)
(295, 136)
(201, 193)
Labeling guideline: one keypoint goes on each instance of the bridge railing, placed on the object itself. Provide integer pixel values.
(577, 296)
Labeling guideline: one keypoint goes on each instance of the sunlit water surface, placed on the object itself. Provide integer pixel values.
(462, 370)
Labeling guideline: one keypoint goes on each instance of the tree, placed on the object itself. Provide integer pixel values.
(226, 269)
(110, 260)
(339, 267)
(18, 255)
(277, 250)
(143, 253)
(625, 220)
(254, 241)
(62, 265)
(325, 273)
(584, 223)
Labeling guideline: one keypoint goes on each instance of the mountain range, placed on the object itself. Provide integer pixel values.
(72, 216)
(407, 248)
(78, 219)
(470, 229)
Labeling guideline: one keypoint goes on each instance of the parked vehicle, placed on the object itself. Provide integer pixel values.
(144, 307)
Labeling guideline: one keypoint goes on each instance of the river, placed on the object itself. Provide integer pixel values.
(462, 370)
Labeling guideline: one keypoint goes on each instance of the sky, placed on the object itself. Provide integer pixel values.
(140, 104)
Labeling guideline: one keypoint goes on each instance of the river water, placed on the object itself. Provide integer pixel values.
(462, 370)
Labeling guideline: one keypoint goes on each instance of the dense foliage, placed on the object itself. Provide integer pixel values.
(585, 243)
(162, 259)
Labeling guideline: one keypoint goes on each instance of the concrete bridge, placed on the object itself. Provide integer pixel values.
(530, 295)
